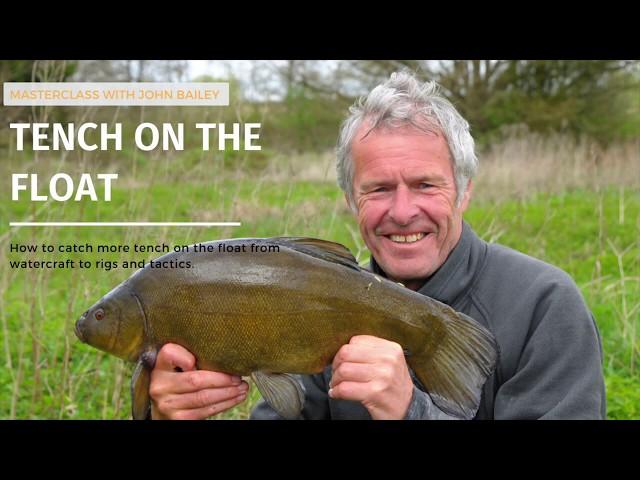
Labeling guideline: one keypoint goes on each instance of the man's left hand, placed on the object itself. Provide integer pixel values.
(373, 371)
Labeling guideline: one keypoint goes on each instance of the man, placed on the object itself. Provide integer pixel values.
(405, 163)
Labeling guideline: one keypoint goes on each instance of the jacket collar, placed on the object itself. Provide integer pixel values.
(451, 282)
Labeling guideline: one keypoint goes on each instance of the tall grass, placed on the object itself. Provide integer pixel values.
(529, 164)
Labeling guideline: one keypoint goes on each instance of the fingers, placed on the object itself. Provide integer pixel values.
(354, 367)
(367, 350)
(368, 340)
(356, 391)
(372, 371)
(355, 372)
(208, 411)
(195, 394)
(188, 382)
(172, 356)
(361, 353)
(353, 354)
(204, 398)
(178, 390)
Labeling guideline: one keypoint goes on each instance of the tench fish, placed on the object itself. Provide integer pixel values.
(270, 308)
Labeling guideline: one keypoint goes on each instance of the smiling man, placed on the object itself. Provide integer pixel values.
(405, 163)
(405, 196)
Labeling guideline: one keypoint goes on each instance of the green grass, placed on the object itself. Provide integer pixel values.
(585, 234)
(49, 374)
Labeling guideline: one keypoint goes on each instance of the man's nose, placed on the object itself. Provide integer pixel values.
(403, 209)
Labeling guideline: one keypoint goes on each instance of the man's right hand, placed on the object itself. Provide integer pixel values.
(180, 392)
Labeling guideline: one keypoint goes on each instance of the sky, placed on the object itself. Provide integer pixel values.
(240, 69)
(214, 68)
(249, 76)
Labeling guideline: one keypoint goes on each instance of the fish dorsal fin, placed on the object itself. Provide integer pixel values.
(322, 249)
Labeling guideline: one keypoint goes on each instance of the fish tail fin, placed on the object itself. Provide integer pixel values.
(454, 374)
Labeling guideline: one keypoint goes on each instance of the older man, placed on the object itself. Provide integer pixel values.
(405, 163)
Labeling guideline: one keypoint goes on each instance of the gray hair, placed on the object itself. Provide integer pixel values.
(400, 101)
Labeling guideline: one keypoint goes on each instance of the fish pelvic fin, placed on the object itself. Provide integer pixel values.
(140, 399)
(282, 391)
(140, 381)
(322, 249)
(455, 373)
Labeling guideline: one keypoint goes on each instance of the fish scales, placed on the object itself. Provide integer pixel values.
(299, 303)
(288, 311)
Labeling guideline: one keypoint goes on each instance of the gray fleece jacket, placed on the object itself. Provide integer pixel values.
(550, 364)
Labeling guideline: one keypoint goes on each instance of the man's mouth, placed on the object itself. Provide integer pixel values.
(410, 238)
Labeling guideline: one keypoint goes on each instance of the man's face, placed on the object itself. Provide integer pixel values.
(405, 193)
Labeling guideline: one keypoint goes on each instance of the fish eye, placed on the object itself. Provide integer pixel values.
(99, 314)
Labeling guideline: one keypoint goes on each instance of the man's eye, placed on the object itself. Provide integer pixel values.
(379, 189)
(425, 186)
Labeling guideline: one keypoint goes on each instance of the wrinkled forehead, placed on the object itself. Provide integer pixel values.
(416, 125)
(376, 141)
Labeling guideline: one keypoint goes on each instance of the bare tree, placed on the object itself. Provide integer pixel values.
(132, 70)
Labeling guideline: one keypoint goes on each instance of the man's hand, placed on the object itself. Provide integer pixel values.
(373, 371)
(180, 392)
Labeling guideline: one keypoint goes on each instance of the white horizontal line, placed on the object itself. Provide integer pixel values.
(124, 224)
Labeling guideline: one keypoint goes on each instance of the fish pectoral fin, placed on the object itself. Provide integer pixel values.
(322, 249)
(282, 391)
(140, 399)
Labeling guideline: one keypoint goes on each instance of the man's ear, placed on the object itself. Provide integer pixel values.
(467, 196)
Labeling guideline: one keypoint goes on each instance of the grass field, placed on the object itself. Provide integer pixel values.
(590, 229)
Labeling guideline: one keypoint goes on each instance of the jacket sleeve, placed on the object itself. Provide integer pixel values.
(423, 408)
(316, 404)
(559, 372)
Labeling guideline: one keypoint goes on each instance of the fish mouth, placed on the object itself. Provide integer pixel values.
(78, 330)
